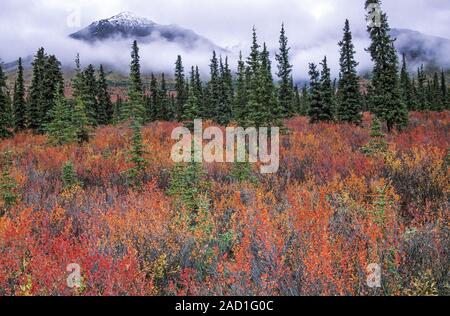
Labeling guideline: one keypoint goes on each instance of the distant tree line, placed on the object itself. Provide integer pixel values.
(250, 96)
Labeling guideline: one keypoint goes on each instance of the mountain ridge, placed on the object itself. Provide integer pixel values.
(127, 25)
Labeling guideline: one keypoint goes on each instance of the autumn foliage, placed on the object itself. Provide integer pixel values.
(311, 229)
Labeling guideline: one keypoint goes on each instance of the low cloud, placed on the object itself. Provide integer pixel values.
(314, 27)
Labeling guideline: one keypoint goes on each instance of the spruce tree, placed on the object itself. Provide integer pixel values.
(349, 98)
(180, 87)
(386, 100)
(436, 97)
(422, 89)
(105, 108)
(198, 85)
(153, 108)
(60, 128)
(19, 103)
(166, 109)
(77, 81)
(4, 106)
(285, 90)
(406, 85)
(69, 176)
(316, 102)
(80, 121)
(191, 109)
(377, 143)
(135, 109)
(305, 101)
(36, 97)
(225, 93)
(118, 106)
(272, 114)
(327, 93)
(444, 92)
(214, 87)
(136, 174)
(240, 101)
(53, 84)
(89, 95)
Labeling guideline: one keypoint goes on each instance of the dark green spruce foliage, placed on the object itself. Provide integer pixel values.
(105, 108)
(386, 98)
(445, 96)
(135, 109)
(167, 113)
(89, 95)
(46, 77)
(4, 106)
(285, 90)
(61, 129)
(69, 176)
(226, 93)
(214, 107)
(349, 98)
(407, 87)
(377, 143)
(180, 87)
(321, 102)
(136, 174)
(117, 113)
(191, 110)
(315, 104)
(256, 112)
(240, 101)
(271, 111)
(153, 106)
(422, 89)
(19, 103)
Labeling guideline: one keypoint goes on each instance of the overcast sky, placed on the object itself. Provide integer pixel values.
(313, 26)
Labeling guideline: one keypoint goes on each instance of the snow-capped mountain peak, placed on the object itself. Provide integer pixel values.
(130, 19)
(127, 25)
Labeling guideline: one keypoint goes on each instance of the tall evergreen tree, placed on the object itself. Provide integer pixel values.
(105, 107)
(135, 109)
(214, 90)
(136, 173)
(118, 107)
(60, 128)
(36, 97)
(89, 95)
(53, 84)
(80, 121)
(240, 102)
(436, 94)
(349, 97)
(305, 101)
(386, 100)
(77, 81)
(444, 92)
(316, 103)
(19, 103)
(4, 106)
(166, 109)
(191, 109)
(226, 93)
(153, 107)
(327, 93)
(406, 85)
(180, 87)
(285, 90)
(422, 89)
(271, 112)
